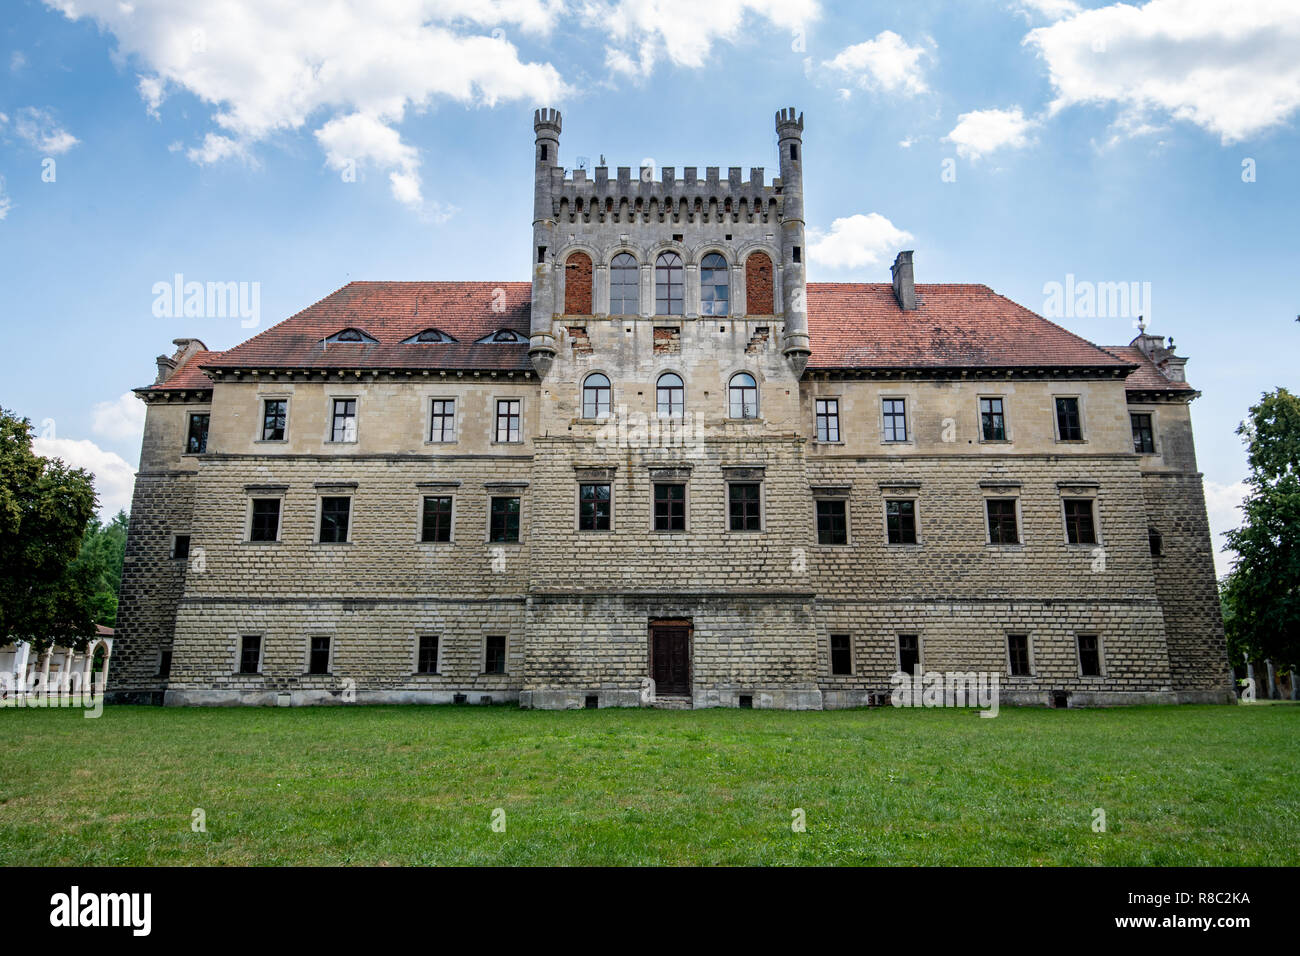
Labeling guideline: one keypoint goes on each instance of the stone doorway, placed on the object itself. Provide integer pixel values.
(670, 657)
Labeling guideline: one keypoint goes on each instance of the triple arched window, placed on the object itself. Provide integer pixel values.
(670, 396)
(595, 396)
(670, 285)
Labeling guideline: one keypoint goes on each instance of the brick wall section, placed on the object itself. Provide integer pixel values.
(577, 284)
(758, 284)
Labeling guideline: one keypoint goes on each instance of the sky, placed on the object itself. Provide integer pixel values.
(1024, 144)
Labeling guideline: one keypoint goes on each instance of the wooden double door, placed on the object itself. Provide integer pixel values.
(670, 656)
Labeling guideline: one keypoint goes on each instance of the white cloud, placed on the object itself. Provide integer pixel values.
(1049, 9)
(1222, 504)
(265, 68)
(352, 140)
(114, 478)
(1230, 68)
(683, 31)
(983, 131)
(855, 241)
(17, 61)
(42, 132)
(5, 202)
(885, 63)
(119, 420)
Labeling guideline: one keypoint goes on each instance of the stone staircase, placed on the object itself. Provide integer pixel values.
(672, 702)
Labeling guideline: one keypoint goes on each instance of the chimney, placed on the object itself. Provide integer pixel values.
(185, 350)
(904, 284)
(1171, 366)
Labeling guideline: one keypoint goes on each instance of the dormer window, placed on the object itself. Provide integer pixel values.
(508, 336)
(428, 336)
(353, 336)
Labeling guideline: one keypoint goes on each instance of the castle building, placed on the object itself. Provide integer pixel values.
(667, 470)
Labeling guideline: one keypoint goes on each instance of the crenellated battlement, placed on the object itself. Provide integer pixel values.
(575, 198)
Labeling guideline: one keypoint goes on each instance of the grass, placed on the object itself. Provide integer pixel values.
(418, 785)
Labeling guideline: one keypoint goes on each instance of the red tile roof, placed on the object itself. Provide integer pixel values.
(391, 312)
(1147, 377)
(860, 325)
(189, 375)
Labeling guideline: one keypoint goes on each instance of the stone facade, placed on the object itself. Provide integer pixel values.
(566, 615)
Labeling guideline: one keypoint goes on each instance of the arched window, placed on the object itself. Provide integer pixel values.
(577, 284)
(668, 284)
(671, 394)
(624, 286)
(715, 292)
(595, 396)
(743, 396)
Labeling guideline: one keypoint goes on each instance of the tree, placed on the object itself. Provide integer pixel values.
(1262, 594)
(103, 549)
(45, 597)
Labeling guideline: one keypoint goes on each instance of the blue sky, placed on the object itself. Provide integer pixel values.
(1009, 142)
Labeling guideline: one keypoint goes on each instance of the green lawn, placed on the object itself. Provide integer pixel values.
(377, 785)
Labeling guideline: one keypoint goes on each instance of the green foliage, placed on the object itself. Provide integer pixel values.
(47, 597)
(103, 549)
(1261, 597)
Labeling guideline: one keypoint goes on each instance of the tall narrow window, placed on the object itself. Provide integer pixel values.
(624, 285)
(742, 394)
(1144, 436)
(745, 506)
(1002, 521)
(715, 294)
(265, 524)
(1079, 525)
(828, 419)
(594, 507)
(436, 519)
(250, 654)
(1018, 654)
(670, 507)
(841, 654)
(1089, 655)
(503, 523)
(334, 515)
(442, 420)
(508, 419)
(275, 413)
(318, 657)
(909, 653)
(832, 521)
(895, 419)
(595, 396)
(196, 441)
(577, 284)
(344, 421)
(993, 424)
(668, 284)
(1069, 426)
(900, 521)
(1156, 542)
(165, 662)
(426, 658)
(671, 395)
(494, 654)
(181, 547)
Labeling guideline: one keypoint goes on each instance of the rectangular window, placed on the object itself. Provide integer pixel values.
(275, 415)
(508, 419)
(494, 655)
(344, 422)
(900, 521)
(832, 521)
(426, 658)
(1079, 527)
(334, 514)
(1069, 427)
(442, 421)
(1002, 521)
(436, 524)
(504, 521)
(1018, 654)
(165, 662)
(196, 442)
(1144, 436)
(909, 653)
(181, 547)
(993, 424)
(670, 507)
(318, 658)
(266, 520)
(841, 654)
(828, 419)
(594, 507)
(895, 420)
(250, 654)
(1089, 655)
(744, 500)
